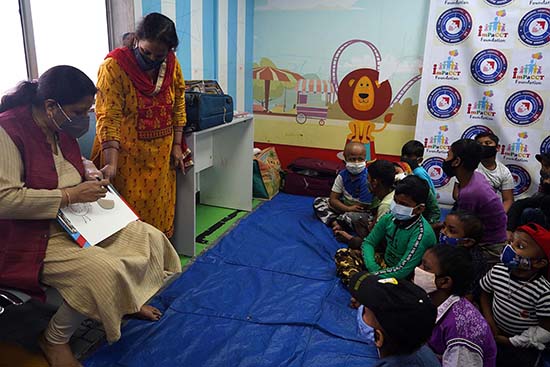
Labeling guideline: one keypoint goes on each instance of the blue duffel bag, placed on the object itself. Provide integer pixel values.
(205, 110)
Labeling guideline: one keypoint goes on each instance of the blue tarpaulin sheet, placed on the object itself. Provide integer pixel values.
(266, 295)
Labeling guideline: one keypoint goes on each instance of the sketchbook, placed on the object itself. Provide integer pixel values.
(90, 223)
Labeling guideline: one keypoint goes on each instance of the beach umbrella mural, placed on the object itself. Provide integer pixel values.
(269, 73)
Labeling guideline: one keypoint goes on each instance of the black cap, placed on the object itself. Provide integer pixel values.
(543, 156)
(403, 310)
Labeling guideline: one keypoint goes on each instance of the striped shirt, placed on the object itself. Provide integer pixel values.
(517, 304)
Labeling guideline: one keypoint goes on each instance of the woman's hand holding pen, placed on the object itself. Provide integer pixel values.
(85, 192)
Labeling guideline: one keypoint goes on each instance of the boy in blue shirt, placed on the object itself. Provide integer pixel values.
(412, 153)
(350, 196)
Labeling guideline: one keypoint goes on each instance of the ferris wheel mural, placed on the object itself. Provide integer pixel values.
(363, 97)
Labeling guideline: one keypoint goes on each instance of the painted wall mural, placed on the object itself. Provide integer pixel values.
(329, 72)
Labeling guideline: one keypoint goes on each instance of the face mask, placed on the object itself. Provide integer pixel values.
(146, 63)
(75, 127)
(424, 280)
(448, 168)
(488, 151)
(453, 241)
(401, 212)
(364, 330)
(510, 258)
(355, 168)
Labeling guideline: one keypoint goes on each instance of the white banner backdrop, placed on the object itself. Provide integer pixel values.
(486, 68)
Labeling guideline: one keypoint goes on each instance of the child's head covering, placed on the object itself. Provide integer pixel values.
(539, 234)
(403, 309)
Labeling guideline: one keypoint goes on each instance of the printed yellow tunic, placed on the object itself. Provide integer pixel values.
(144, 175)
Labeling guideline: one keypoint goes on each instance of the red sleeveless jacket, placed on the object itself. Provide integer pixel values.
(23, 242)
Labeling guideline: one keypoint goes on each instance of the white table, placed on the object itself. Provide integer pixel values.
(222, 173)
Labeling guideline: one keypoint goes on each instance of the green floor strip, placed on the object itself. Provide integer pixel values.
(207, 217)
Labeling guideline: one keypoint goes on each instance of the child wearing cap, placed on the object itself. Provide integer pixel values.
(404, 232)
(516, 297)
(402, 317)
(350, 194)
(535, 208)
(461, 336)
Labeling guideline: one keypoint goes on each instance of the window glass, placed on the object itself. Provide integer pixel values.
(70, 32)
(14, 67)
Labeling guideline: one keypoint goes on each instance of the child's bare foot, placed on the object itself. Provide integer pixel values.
(336, 226)
(353, 303)
(58, 355)
(147, 312)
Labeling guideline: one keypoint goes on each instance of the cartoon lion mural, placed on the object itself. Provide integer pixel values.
(363, 98)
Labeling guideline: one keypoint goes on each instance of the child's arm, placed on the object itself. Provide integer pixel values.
(375, 237)
(486, 302)
(338, 205)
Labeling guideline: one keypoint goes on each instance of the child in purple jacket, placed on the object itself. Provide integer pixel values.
(461, 336)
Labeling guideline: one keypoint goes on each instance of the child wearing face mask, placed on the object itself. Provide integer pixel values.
(461, 336)
(535, 208)
(399, 316)
(404, 233)
(412, 154)
(350, 196)
(516, 298)
(463, 229)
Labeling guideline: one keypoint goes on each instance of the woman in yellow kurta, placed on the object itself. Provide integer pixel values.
(140, 111)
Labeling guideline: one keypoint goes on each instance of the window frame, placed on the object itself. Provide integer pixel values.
(120, 18)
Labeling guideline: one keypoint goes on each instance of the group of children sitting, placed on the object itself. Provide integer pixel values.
(472, 290)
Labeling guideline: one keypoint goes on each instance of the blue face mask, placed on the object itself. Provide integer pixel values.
(512, 260)
(146, 63)
(401, 212)
(452, 241)
(364, 330)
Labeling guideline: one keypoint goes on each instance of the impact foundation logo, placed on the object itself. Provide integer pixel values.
(494, 30)
(454, 25)
(545, 145)
(529, 73)
(488, 66)
(447, 69)
(472, 131)
(434, 167)
(522, 179)
(444, 102)
(498, 2)
(534, 27)
(523, 108)
(482, 109)
(517, 151)
(438, 143)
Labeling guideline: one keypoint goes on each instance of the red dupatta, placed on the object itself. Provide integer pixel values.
(155, 108)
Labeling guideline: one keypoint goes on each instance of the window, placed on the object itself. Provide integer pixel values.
(70, 32)
(60, 32)
(14, 68)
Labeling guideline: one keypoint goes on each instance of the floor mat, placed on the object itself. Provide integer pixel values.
(265, 295)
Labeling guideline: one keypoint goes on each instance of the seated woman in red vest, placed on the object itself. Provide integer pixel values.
(42, 170)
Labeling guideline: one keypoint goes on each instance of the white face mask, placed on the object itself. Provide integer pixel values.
(424, 280)
(355, 168)
(401, 212)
